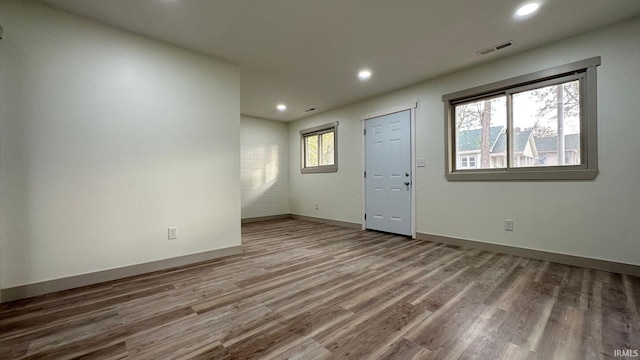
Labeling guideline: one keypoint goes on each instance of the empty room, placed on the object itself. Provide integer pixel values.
(279, 179)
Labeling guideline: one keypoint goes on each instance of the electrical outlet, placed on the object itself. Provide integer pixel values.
(173, 233)
(508, 225)
(421, 162)
(316, 206)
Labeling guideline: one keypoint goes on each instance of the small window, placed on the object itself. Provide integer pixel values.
(540, 126)
(468, 162)
(319, 150)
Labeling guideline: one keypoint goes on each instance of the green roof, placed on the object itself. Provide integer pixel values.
(469, 140)
(519, 143)
(571, 142)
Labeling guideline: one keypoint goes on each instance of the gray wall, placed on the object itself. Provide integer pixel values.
(107, 139)
(595, 219)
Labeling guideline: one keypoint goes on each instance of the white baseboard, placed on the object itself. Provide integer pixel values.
(45, 287)
(346, 224)
(265, 218)
(597, 264)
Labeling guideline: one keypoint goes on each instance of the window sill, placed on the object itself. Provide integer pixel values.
(320, 169)
(525, 174)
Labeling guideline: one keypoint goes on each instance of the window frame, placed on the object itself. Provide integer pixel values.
(319, 131)
(584, 70)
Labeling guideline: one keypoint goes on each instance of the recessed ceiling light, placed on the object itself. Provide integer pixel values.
(281, 107)
(364, 74)
(527, 9)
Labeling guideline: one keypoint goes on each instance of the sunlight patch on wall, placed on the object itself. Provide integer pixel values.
(266, 160)
(264, 168)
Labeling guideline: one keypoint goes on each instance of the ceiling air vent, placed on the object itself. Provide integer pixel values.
(495, 48)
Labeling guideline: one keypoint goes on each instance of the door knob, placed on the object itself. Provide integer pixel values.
(407, 183)
(406, 174)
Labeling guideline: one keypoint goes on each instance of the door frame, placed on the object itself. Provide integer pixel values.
(412, 106)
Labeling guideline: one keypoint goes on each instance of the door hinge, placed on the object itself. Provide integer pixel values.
(365, 216)
(365, 174)
(365, 132)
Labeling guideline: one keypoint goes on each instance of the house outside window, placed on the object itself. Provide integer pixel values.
(540, 126)
(319, 149)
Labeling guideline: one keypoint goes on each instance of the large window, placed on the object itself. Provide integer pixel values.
(540, 126)
(319, 149)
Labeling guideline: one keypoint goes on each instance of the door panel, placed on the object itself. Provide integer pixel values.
(388, 171)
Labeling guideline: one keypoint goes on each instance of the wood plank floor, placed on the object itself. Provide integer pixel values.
(311, 291)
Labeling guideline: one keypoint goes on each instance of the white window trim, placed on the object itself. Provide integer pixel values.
(469, 158)
(317, 130)
(588, 168)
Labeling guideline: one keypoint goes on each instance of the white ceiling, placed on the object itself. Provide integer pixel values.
(306, 53)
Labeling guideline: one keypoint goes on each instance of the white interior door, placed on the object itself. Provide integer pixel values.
(388, 178)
